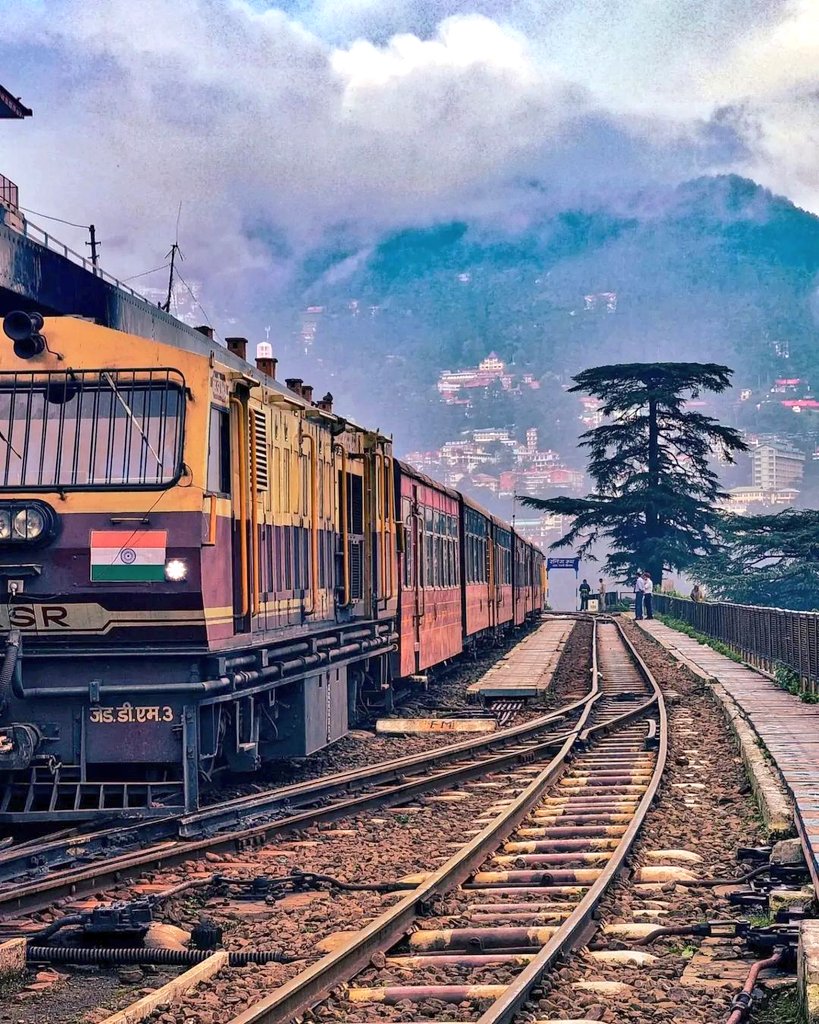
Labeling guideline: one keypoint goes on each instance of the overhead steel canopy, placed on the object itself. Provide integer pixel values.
(11, 106)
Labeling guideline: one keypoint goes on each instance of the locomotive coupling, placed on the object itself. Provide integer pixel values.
(18, 745)
(19, 741)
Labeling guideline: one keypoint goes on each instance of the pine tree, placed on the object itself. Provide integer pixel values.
(768, 560)
(654, 488)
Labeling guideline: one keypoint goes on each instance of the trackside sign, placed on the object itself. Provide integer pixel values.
(563, 563)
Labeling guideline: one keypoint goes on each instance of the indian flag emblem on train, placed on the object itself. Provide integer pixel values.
(128, 556)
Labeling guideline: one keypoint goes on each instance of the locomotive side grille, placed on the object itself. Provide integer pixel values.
(356, 570)
(259, 426)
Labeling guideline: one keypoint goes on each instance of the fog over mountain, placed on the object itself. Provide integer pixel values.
(717, 268)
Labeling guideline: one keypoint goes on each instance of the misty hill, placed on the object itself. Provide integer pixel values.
(718, 268)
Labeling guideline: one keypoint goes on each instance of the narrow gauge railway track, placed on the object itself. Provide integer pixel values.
(36, 875)
(525, 887)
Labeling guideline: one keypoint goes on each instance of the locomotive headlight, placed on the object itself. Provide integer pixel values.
(176, 570)
(29, 523)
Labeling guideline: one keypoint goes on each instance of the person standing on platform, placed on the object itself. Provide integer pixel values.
(696, 594)
(585, 590)
(601, 595)
(639, 593)
(648, 590)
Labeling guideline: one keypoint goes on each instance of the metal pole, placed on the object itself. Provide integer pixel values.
(92, 245)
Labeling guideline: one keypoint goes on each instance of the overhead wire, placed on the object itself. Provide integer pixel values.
(198, 303)
(134, 276)
(145, 273)
(59, 220)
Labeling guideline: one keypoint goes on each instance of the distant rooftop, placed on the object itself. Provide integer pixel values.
(10, 106)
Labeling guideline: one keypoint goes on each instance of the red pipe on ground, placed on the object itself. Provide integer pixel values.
(744, 998)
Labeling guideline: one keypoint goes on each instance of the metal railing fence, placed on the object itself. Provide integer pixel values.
(765, 637)
(9, 193)
(28, 229)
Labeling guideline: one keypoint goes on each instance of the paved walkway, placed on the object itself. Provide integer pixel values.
(788, 727)
(527, 670)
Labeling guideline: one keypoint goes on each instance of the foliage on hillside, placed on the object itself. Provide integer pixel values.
(718, 268)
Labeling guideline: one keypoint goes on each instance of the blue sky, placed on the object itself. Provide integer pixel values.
(298, 120)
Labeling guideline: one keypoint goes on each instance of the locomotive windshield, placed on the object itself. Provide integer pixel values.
(91, 429)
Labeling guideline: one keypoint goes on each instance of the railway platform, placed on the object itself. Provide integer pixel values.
(786, 727)
(528, 669)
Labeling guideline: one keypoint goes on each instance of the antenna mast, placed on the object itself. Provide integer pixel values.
(172, 256)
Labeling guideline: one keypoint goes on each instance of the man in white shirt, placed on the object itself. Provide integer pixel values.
(648, 590)
(639, 592)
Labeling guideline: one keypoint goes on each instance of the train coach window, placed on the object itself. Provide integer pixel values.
(219, 451)
(440, 580)
(408, 525)
(456, 568)
(452, 549)
(91, 429)
(429, 549)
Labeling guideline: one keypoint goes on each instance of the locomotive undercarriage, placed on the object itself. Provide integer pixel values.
(91, 748)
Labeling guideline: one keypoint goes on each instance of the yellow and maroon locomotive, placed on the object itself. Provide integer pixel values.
(202, 568)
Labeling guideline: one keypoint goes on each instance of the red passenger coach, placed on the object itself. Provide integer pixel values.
(430, 605)
(488, 603)
(528, 579)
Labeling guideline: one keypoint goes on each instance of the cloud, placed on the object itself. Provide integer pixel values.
(278, 125)
(244, 115)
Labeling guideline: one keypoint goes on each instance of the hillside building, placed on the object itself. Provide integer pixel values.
(454, 386)
(542, 530)
(744, 500)
(776, 466)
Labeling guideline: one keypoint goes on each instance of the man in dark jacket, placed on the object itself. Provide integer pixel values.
(585, 590)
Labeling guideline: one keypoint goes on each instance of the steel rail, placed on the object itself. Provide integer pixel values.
(319, 979)
(338, 967)
(39, 893)
(87, 879)
(218, 814)
(19, 861)
(570, 934)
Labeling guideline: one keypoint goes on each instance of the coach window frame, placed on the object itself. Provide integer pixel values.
(429, 548)
(410, 542)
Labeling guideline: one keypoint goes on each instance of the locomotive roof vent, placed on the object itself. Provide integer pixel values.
(267, 364)
(207, 331)
(238, 346)
(294, 384)
(307, 392)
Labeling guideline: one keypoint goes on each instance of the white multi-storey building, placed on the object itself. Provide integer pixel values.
(774, 467)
